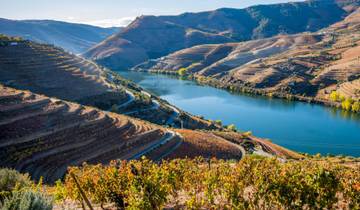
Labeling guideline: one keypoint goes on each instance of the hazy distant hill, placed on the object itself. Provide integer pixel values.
(151, 37)
(73, 37)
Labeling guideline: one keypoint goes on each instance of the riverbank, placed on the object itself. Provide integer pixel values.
(248, 90)
(299, 126)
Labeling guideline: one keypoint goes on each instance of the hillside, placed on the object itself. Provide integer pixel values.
(150, 37)
(43, 136)
(307, 65)
(76, 38)
(48, 70)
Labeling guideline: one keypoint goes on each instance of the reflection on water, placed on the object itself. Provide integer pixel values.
(300, 126)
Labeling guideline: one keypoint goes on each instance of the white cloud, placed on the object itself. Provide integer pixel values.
(111, 22)
(70, 18)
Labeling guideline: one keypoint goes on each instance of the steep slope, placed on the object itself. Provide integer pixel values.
(51, 71)
(150, 37)
(307, 65)
(146, 38)
(44, 136)
(76, 38)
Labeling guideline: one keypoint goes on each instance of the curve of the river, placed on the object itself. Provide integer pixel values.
(299, 126)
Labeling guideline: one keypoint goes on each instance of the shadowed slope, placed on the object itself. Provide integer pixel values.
(51, 71)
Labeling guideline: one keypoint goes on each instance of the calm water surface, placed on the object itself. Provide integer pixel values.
(299, 126)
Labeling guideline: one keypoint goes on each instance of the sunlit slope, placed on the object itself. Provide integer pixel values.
(307, 64)
(150, 37)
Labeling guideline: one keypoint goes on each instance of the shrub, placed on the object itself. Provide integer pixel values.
(231, 127)
(114, 108)
(219, 122)
(356, 106)
(27, 200)
(12, 180)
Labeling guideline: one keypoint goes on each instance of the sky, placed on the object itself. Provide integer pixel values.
(108, 13)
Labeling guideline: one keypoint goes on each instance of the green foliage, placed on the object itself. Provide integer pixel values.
(219, 122)
(12, 180)
(27, 200)
(114, 108)
(252, 183)
(60, 192)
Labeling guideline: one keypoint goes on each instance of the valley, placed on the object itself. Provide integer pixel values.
(180, 105)
(307, 67)
(59, 110)
(44, 136)
(302, 127)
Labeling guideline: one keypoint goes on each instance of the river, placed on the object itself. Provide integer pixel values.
(299, 126)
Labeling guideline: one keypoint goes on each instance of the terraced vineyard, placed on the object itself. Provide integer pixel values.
(307, 66)
(48, 70)
(43, 136)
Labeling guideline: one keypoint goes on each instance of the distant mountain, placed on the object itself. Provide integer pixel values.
(311, 65)
(150, 37)
(73, 37)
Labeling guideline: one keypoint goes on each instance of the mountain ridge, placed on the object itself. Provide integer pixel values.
(155, 36)
(73, 37)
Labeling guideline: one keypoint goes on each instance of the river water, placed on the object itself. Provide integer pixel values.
(298, 126)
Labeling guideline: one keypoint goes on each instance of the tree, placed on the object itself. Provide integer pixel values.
(334, 96)
(219, 122)
(231, 127)
(356, 106)
(114, 108)
(182, 71)
(347, 104)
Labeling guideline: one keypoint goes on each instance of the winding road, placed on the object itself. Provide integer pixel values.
(175, 114)
(169, 135)
(131, 99)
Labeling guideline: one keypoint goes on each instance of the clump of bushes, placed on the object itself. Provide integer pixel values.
(18, 192)
(27, 200)
(347, 104)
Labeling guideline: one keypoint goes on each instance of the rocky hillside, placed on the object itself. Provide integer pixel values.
(76, 38)
(48, 70)
(307, 64)
(150, 37)
(43, 136)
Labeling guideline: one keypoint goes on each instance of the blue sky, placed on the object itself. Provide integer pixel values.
(112, 12)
